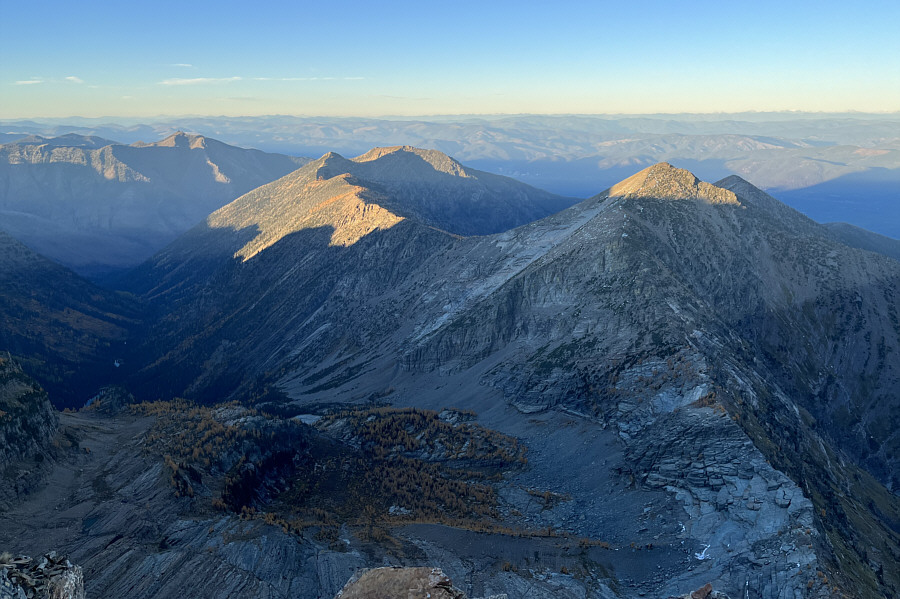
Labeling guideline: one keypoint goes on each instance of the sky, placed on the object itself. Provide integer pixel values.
(347, 58)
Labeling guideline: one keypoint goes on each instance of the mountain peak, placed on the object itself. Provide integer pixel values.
(752, 195)
(330, 165)
(409, 157)
(745, 190)
(732, 180)
(376, 153)
(320, 195)
(664, 181)
(180, 139)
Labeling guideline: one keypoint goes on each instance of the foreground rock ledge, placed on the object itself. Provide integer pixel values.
(48, 577)
(402, 583)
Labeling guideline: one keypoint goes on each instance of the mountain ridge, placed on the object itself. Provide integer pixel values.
(331, 193)
(318, 202)
(863, 239)
(97, 206)
(851, 161)
(678, 253)
(436, 189)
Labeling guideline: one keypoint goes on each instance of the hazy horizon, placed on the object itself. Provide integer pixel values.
(750, 114)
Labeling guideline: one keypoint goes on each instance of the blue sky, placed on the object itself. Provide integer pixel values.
(324, 58)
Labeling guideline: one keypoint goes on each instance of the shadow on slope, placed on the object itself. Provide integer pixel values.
(865, 240)
(221, 323)
(67, 333)
(418, 183)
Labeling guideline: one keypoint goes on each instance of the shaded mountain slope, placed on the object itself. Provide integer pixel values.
(96, 205)
(865, 240)
(830, 333)
(28, 424)
(432, 187)
(665, 292)
(647, 271)
(315, 242)
(678, 292)
(66, 331)
(744, 362)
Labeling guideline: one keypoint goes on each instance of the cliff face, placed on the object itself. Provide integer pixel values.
(27, 420)
(28, 424)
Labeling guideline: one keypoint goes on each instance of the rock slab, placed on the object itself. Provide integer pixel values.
(48, 577)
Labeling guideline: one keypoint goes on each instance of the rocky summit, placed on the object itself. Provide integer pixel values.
(671, 389)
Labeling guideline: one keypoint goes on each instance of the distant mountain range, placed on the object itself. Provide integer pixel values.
(96, 205)
(832, 167)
